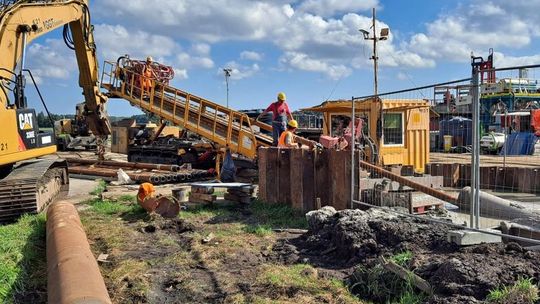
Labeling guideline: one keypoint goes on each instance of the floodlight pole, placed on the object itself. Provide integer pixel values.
(375, 59)
(227, 76)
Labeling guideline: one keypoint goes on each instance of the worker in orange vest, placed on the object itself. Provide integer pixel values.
(280, 114)
(146, 191)
(286, 140)
(146, 79)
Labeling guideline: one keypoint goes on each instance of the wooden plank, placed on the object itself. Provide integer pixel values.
(340, 178)
(297, 179)
(322, 189)
(284, 188)
(454, 175)
(464, 175)
(234, 198)
(500, 177)
(263, 163)
(308, 189)
(536, 183)
(333, 176)
(509, 178)
(202, 196)
(406, 275)
(272, 177)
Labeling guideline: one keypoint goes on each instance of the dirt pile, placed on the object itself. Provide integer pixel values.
(342, 241)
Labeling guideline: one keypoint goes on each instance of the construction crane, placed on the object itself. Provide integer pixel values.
(223, 126)
(28, 184)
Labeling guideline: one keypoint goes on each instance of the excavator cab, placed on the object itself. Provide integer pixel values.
(28, 183)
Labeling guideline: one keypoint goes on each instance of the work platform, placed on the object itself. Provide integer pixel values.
(221, 125)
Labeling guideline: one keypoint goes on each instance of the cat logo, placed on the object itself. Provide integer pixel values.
(26, 121)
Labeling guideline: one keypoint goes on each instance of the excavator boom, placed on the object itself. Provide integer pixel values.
(28, 184)
(23, 21)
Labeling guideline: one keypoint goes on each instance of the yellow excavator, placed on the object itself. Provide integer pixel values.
(28, 184)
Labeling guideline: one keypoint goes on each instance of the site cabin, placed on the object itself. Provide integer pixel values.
(405, 127)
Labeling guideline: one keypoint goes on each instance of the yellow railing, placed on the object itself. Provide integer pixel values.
(221, 125)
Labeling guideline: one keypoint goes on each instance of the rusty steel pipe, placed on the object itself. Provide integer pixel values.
(407, 182)
(155, 179)
(110, 173)
(72, 271)
(169, 168)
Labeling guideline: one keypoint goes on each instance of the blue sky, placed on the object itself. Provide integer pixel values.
(310, 49)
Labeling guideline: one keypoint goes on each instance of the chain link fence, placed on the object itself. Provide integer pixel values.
(470, 145)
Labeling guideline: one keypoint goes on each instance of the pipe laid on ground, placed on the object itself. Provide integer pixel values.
(493, 206)
(72, 271)
(140, 177)
(170, 168)
(407, 182)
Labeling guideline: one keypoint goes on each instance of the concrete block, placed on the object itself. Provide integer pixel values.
(466, 238)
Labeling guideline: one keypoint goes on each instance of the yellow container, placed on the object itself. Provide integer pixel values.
(447, 143)
(411, 150)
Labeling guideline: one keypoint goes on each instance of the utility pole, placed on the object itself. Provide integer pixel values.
(227, 72)
(383, 36)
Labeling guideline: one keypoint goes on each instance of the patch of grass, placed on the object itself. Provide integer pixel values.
(523, 291)
(204, 211)
(100, 188)
(23, 266)
(128, 280)
(278, 215)
(115, 207)
(402, 259)
(259, 230)
(303, 279)
(410, 297)
(375, 283)
(126, 198)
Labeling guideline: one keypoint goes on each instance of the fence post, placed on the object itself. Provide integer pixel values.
(475, 166)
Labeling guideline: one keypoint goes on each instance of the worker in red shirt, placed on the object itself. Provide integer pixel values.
(280, 115)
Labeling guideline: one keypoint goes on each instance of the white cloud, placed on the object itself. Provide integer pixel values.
(186, 60)
(331, 7)
(201, 49)
(502, 60)
(402, 76)
(180, 74)
(304, 62)
(116, 40)
(477, 27)
(239, 71)
(53, 59)
(250, 55)
(323, 32)
(198, 20)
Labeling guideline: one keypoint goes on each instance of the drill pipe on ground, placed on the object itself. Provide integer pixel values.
(72, 271)
(140, 177)
(170, 168)
(407, 182)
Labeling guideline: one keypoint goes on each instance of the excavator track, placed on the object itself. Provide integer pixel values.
(31, 187)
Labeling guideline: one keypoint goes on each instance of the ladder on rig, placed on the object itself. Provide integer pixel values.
(219, 124)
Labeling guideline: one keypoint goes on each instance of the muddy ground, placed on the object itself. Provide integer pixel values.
(210, 254)
(230, 253)
(340, 241)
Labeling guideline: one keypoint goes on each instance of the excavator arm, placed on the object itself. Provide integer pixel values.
(25, 20)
